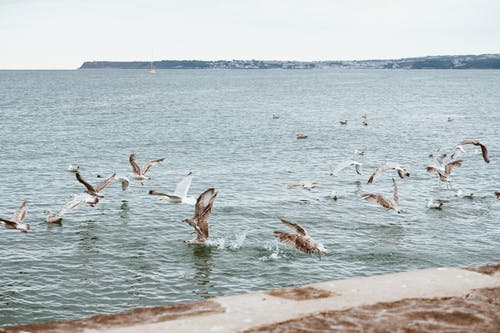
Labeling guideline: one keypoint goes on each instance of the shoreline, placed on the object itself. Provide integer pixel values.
(423, 300)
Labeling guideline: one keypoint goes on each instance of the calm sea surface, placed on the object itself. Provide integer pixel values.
(129, 251)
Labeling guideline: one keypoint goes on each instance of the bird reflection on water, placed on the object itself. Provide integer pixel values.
(202, 265)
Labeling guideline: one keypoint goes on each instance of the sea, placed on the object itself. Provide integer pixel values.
(129, 251)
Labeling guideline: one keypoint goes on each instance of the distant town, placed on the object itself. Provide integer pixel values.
(483, 61)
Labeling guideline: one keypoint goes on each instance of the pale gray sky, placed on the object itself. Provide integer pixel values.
(57, 34)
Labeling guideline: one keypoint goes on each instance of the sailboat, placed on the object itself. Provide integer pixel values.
(152, 68)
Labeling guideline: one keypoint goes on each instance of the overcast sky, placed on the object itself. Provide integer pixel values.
(57, 34)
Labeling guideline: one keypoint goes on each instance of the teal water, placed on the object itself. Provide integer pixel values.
(129, 251)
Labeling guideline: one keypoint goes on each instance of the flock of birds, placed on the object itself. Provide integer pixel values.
(299, 239)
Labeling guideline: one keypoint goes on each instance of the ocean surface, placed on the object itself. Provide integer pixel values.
(129, 251)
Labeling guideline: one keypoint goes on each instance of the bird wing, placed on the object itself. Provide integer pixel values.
(149, 164)
(182, 188)
(135, 167)
(203, 209)
(450, 166)
(21, 212)
(370, 197)
(431, 169)
(104, 183)
(346, 164)
(380, 169)
(9, 223)
(297, 227)
(294, 240)
(153, 192)
(77, 200)
(395, 196)
(484, 151)
(89, 186)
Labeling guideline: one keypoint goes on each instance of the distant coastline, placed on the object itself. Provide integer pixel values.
(482, 61)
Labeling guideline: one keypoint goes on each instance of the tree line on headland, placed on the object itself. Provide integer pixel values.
(484, 61)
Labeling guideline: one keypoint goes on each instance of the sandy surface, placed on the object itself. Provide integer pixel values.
(479, 311)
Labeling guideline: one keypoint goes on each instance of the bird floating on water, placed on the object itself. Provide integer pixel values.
(386, 202)
(450, 119)
(343, 122)
(94, 191)
(180, 193)
(139, 173)
(346, 164)
(333, 195)
(308, 185)
(365, 123)
(444, 175)
(73, 168)
(464, 195)
(301, 240)
(202, 212)
(402, 172)
(435, 205)
(276, 116)
(364, 116)
(359, 152)
(301, 136)
(17, 218)
(484, 151)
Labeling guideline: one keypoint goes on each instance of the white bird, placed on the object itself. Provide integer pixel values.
(444, 175)
(333, 195)
(301, 240)
(435, 205)
(181, 191)
(402, 172)
(308, 185)
(57, 217)
(73, 168)
(17, 219)
(346, 164)
(359, 152)
(139, 173)
(202, 212)
(464, 195)
(457, 151)
(386, 202)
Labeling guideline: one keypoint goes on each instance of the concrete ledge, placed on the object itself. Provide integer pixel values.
(433, 299)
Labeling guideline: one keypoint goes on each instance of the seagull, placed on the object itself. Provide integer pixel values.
(301, 136)
(344, 165)
(140, 173)
(124, 181)
(73, 168)
(94, 191)
(343, 122)
(180, 193)
(402, 172)
(461, 194)
(333, 195)
(435, 205)
(365, 123)
(202, 212)
(450, 119)
(359, 152)
(484, 151)
(17, 218)
(458, 150)
(364, 116)
(300, 239)
(445, 174)
(57, 217)
(308, 185)
(276, 116)
(389, 203)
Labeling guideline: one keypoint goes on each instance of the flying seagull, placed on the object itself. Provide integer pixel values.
(444, 175)
(17, 218)
(57, 217)
(202, 212)
(484, 151)
(139, 173)
(346, 164)
(389, 203)
(402, 172)
(124, 181)
(181, 191)
(94, 191)
(308, 185)
(300, 239)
